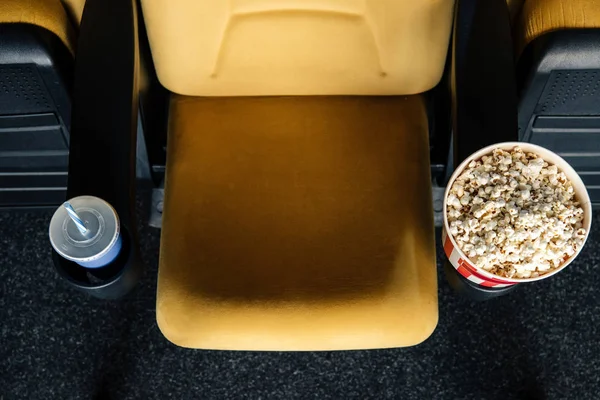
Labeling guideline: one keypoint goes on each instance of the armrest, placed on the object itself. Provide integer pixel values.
(484, 97)
(483, 84)
(103, 135)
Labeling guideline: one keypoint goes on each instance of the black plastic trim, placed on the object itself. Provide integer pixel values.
(484, 96)
(484, 90)
(154, 107)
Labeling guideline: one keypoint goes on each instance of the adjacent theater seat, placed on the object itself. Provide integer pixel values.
(540, 17)
(47, 14)
(37, 45)
(298, 210)
(557, 41)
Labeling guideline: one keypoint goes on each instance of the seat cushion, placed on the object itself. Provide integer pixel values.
(543, 16)
(48, 14)
(297, 223)
(298, 47)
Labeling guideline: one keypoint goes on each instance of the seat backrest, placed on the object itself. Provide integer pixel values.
(298, 47)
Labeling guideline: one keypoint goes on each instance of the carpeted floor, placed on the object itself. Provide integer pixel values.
(540, 342)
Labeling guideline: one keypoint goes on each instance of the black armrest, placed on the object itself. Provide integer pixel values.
(484, 89)
(103, 135)
(484, 97)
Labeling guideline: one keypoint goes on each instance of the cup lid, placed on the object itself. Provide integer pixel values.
(99, 218)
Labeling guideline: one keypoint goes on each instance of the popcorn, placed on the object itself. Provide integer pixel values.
(514, 215)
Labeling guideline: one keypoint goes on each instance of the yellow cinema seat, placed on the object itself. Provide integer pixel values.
(298, 209)
(38, 42)
(47, 14)
(556, 44)
(539, 17)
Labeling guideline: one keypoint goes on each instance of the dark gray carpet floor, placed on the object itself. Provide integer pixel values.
(540, 342)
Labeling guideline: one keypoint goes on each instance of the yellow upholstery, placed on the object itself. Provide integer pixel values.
(543, 16)
(297, 223)
(74, 9)
(48, 14)
(305, 222)
(298, 47)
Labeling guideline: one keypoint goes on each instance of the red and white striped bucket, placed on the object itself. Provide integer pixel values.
(461, 262)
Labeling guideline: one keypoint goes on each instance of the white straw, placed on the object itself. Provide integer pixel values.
(76, 219)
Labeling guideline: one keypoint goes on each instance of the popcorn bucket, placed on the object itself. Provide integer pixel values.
(459, 259)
